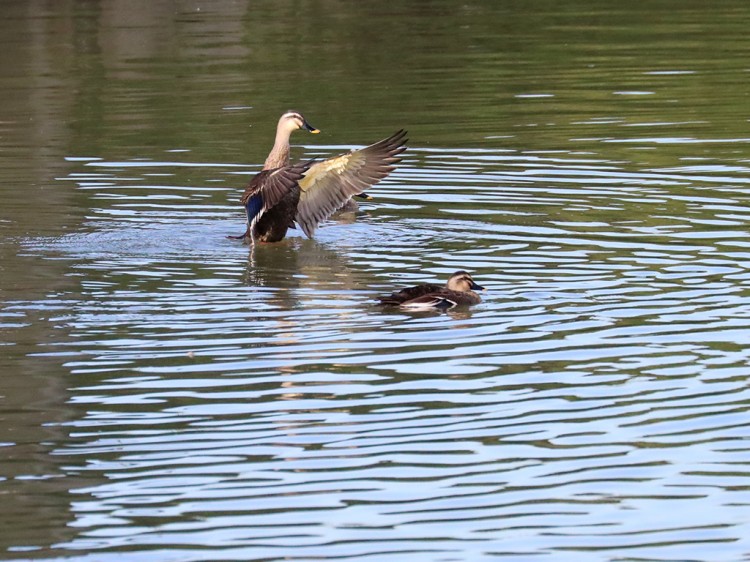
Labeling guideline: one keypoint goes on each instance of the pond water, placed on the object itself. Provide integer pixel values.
(169, 394)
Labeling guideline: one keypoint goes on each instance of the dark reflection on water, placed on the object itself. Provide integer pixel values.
(173, 395)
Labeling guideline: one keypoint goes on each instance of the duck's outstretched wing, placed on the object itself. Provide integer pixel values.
(269, 187)
(329, 184)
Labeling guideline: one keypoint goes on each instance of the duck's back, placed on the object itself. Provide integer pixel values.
(410, 293)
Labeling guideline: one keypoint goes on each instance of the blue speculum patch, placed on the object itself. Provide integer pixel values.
(253, 207)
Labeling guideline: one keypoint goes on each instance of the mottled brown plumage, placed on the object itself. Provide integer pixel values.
(310, 193)
(270, 200)
(458, 291)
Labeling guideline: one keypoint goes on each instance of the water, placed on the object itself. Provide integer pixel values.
(168, 394)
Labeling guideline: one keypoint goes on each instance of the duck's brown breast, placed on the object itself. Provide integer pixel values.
(274, 223)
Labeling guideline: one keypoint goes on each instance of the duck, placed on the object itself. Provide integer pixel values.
(283, 195)
(458, 291)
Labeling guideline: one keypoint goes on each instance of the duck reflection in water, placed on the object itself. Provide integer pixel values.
(307, 193)
(296, 263)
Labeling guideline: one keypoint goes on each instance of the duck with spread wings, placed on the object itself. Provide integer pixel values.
(307, 193)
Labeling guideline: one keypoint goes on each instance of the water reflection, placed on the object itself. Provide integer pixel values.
(270, 378)
(262, 385)
(170, 394)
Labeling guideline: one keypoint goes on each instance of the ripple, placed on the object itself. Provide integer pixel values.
(259, 403)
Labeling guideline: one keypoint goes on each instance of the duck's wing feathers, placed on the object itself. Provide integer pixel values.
(269, 187)
(329, 184)
(410, 293)
(441, 301)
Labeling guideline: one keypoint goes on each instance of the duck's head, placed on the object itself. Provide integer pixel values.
(462, 281)
(293, 120)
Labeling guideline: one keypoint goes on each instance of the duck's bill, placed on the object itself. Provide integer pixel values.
(475, 287)
(364, 196)
(310, 128)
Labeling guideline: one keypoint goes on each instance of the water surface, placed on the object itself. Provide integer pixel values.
(169, 394)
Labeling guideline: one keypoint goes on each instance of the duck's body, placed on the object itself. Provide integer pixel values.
(458, 291)
(311, 192)
(271, 200)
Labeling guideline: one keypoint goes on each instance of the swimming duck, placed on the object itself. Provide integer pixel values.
(458, 291)
(308, 193)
